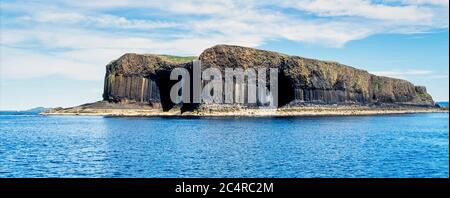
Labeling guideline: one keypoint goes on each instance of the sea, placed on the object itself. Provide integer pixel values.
(394, 146)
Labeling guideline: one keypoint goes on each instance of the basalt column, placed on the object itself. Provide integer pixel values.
(120, 88)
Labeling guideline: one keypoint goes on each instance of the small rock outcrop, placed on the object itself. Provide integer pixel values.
(144, 79)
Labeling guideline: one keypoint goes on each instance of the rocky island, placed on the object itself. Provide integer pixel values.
(139, 85)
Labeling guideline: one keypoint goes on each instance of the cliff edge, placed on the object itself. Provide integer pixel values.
(145, 79)
(141, 81)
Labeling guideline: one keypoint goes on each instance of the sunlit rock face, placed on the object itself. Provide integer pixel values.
(144, 79)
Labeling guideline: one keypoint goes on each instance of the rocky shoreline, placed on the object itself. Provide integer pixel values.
(104, 108)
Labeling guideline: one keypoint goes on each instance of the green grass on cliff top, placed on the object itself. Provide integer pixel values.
(178, 59)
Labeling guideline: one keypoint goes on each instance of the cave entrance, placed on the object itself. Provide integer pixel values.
(286, 90)
(165, 84)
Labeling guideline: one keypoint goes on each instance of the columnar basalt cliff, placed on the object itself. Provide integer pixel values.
(144, 79)
(140, 85)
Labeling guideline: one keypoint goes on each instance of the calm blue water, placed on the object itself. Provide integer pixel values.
(442, 104)
(413, 145)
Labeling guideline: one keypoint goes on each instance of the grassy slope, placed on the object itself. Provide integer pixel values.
(178, 59)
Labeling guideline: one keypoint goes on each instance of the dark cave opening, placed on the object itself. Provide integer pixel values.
(165, 84)
(286, 90)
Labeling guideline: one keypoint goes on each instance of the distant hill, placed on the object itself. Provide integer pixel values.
(37, 110)
(32, 111)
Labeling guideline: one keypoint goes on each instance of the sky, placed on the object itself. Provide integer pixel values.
(54, 53)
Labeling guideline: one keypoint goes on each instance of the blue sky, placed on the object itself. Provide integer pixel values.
(53, 53)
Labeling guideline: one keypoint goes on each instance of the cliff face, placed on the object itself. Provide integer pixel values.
(141, 79)
(144, 79)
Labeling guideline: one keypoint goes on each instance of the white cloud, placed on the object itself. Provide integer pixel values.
(21, 64)
(102, 20)
(72, 38)
(364, 8)
(426, 2)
